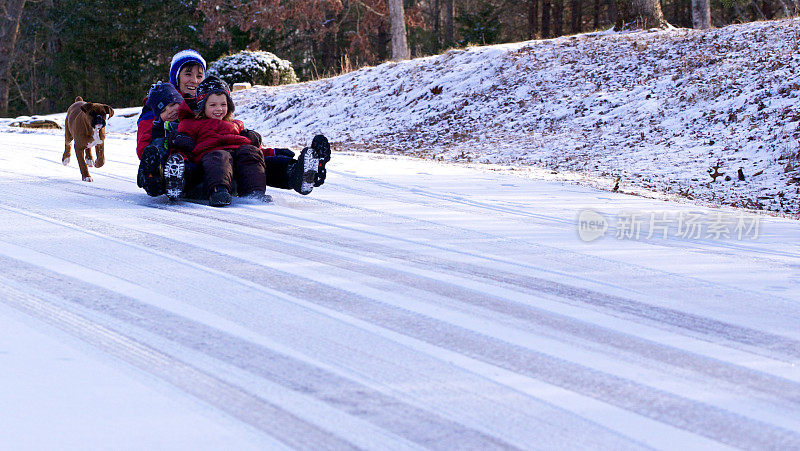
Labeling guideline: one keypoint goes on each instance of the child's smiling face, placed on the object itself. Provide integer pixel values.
(216, 106)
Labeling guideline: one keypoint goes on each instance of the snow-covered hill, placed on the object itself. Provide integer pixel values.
(656, 108)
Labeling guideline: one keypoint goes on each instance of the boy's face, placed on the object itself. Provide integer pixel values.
(189, 77)
(170, 112)
(216, 106)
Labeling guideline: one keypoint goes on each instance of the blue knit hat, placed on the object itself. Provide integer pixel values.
(161, 95)
(180, 59)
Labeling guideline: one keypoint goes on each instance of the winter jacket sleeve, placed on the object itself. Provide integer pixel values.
(186, 137)
(185, 110)
(211, 134)
(239, 126)
(144, 131)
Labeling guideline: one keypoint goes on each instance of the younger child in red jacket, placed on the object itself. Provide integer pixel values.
(228, 152)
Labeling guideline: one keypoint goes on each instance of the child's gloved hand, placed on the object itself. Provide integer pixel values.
(253, 136)
(182, 142)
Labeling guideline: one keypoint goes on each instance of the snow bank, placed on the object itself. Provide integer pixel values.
(657, 109)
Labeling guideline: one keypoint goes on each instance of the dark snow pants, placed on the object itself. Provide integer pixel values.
(193, 174)
(244, 165)
(277, 171)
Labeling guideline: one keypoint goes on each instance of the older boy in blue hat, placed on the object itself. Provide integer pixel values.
(186, 71)
(164, 102)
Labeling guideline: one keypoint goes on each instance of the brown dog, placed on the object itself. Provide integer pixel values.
(85, 123)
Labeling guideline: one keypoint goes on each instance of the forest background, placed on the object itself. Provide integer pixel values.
(112, 50)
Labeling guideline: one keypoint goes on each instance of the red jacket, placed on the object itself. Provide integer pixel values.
(212, 134)
(144, 131)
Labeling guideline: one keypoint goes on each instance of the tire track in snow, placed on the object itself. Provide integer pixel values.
(528, 318)
(235, 401)
(450, 198)
(280, 226)
(671, 409)
(416, 425)
(678, 281)
(704, 328)
(716, 331)
(515, 417)
(492, 376)
(653, 403)
(568, 224)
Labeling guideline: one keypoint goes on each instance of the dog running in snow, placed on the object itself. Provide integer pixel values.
(85, 123)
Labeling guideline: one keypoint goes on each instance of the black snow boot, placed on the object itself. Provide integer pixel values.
(302, 173)
(174, 180)
(151, 173)
(221, 197)
(322, 151)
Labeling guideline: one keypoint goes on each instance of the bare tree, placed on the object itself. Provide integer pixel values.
(558, 17)
(546, 7)
(449, 22)
(701, 14)
(636, 14)
(576, 16)
(436, 14)
(397, 19)
(10, 15)
(596, 14)
(533, 15)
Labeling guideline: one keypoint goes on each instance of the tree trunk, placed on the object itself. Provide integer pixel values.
(397, 18)
(639, 14)
(677, 13)
(558, 17)
(449, 25)
(437, 19)
(785, 8)
(576, 16)
(767, 8)
(9, 29)
(533, 14)
(545, 18)
(596, 18)
(701, 14)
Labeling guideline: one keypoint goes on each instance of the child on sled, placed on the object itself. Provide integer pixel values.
(164, 105)
(231, 155)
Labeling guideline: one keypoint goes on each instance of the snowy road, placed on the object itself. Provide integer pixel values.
(405, 304)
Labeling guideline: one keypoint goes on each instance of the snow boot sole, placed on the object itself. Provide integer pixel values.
(174, 179)
(322, 151)
(304, 172)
